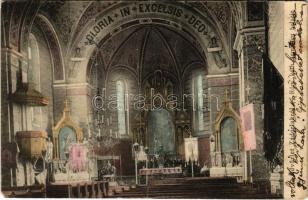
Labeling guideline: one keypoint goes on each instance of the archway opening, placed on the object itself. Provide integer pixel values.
(157, 63)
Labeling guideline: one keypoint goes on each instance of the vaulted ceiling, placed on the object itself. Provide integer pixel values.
(69, 17)
(146, 48)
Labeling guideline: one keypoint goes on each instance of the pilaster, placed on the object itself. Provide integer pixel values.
(79, 96)
(249, 41)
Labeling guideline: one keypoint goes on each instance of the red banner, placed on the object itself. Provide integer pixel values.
(78, 157)
(248, 127)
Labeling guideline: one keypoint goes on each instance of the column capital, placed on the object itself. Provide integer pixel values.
(243, 34)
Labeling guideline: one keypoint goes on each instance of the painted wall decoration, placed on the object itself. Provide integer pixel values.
(67, 136)
(161, 132)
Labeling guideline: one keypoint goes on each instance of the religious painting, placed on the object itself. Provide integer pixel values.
(219, 83)
(247, 125)
(161, 132)
(78, 157)
(67, 136)
(229, 135)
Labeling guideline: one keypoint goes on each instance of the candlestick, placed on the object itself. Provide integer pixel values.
(89, 132)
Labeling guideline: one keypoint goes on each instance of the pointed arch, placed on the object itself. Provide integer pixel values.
(54, 45)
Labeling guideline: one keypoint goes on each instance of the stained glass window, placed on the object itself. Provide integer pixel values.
(198, 100)
(120, 87)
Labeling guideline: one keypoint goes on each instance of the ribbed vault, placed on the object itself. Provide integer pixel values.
(146, 48)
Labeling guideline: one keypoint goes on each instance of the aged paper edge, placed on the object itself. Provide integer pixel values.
(293, 174)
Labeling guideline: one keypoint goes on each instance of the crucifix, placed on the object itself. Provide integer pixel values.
(247, 92)
(247, 89)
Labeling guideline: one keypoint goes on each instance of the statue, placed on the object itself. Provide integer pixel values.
(218, 159)
(278, 169)
(213, 42)
(205, 170)
(229, 159)
(212, 143)
(49, 150)
(213, 159)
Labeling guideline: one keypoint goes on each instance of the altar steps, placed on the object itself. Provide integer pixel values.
(196, 188)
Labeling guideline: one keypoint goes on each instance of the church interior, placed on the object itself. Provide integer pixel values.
(141, 99)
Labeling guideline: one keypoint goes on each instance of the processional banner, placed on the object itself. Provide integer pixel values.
(248, 127)
(78, 155)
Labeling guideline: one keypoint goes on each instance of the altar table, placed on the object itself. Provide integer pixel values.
(159, 171)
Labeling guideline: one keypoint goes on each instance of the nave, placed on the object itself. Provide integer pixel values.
(198, 188)
(165, 188)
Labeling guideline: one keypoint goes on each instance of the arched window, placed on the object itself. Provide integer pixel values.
(121, 89)
(34, 62)
(198, 102)
(34, 77)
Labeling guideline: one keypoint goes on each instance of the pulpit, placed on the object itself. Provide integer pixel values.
(31, 143)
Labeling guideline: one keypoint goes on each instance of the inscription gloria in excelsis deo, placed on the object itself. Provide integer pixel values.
(147, 8)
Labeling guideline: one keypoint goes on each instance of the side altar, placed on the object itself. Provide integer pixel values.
(73, 160)
(226, 146)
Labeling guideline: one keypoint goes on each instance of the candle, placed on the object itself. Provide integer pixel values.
(110, 120)
(89, 132)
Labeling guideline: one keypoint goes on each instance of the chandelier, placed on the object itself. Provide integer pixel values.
(104, 139)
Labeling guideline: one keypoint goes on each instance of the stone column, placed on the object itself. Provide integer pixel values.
(248, 42)
(79, 96)
(13, 117)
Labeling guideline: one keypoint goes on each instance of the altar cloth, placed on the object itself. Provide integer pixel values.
(156, 171)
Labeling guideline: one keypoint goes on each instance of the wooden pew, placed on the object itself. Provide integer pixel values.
(98, 190)
(59, 191)
(24, 191)
(94, 189)
(86, 191)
